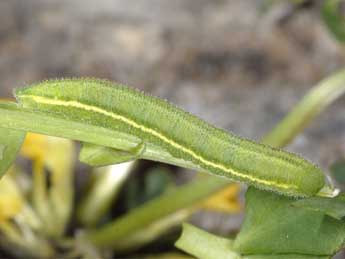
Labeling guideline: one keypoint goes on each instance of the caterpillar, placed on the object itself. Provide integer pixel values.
(157, 122)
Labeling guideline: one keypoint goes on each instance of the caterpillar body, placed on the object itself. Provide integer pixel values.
(184, 136)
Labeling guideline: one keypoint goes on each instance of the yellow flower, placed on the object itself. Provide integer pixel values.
(53, 204)
(11, 202)
(225, 200)
(35, 147)
(56, 154)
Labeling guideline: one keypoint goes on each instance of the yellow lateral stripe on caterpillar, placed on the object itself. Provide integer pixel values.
(132, 123)
(164, 126)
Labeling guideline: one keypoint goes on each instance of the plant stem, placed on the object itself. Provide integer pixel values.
(107, 182)
(204, 245)
(141, 217)
(308, 108)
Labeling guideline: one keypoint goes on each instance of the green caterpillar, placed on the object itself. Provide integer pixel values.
(184, 136)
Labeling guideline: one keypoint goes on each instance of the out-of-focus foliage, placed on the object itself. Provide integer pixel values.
(333, 13)
(312, 104)
(104, 186)
(338, 172)
(142, 189)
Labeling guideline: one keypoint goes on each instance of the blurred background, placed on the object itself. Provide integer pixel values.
(240, 65)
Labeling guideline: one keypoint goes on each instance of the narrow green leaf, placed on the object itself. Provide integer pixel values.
(334, 18)
(14, 117)
(96, 155)
(151, 232)
(167, 204)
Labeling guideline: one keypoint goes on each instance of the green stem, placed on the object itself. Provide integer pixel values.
(168, 203)
(61, 193)
(107, 183)
(152, 232)
(40, 198)
(308, 108)
(204, 245)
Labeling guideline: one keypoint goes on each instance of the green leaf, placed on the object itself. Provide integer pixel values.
(96, 155)
(285, 256)
(273, 226)
(334, 18)
(334, 207)
(204, 245)
(10, 144)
